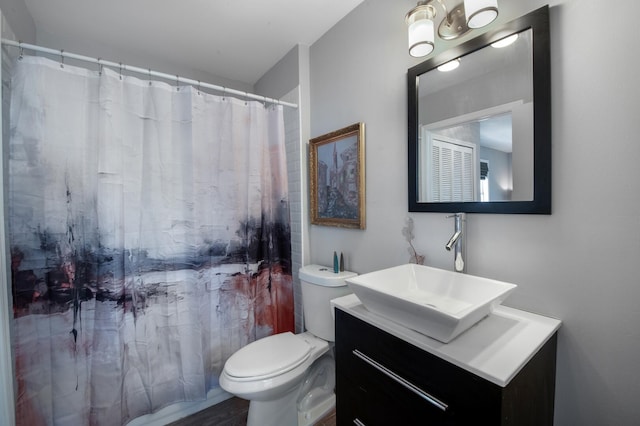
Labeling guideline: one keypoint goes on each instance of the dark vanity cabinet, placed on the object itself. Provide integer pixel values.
(384, 380)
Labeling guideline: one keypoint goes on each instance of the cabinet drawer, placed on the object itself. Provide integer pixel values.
(382, 364)
(374, 404)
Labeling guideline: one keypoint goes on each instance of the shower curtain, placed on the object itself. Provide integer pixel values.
(149, 236)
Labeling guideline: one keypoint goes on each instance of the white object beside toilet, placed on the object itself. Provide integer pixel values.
(289, 378)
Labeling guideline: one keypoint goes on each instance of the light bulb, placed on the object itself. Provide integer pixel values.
(449, 66)
(505, 41)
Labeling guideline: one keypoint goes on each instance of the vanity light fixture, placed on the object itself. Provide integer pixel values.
(463, 16)
(449, 66)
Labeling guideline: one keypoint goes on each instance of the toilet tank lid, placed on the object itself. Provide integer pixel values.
(323, 275)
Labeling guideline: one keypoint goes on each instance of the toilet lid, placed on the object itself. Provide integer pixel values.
(268, 356)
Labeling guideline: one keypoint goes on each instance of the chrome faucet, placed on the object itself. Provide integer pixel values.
(457, 242)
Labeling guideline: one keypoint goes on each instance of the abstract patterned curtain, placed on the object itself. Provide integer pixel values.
(149, 235)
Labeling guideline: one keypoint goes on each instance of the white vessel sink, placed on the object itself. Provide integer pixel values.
(440, 304)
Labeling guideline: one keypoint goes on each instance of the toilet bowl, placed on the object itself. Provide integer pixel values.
(289, 378)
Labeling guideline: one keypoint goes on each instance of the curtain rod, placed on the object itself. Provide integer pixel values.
(122, 67)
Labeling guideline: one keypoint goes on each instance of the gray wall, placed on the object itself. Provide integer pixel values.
(579, 264)
(20, 20)
(283, 77)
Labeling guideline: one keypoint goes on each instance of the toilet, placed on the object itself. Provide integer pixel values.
(289, 378)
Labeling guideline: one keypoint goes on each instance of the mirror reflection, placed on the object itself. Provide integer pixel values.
(475, 126)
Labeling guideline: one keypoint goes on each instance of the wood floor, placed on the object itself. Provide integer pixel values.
(233, 412)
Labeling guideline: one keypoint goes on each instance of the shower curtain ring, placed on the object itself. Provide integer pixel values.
(198, 87)
(149, 76)
(224, 93)
(100, 66)
(21, 54)
(120, 68)
(61, 58)
(177, 83)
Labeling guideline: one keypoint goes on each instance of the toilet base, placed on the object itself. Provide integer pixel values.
(283, 412)
(310, 417)
(278, 412)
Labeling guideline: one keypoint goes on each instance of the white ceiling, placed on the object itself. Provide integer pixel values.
(235, 39)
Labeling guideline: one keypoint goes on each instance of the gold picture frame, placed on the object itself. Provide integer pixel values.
(337, 179)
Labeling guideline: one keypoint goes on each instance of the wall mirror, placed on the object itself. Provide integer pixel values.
(480, 134)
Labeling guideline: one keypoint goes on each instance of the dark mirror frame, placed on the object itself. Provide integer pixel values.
(538, 21)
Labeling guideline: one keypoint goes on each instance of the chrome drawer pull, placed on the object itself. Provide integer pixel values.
(357, 422)
(404, 382)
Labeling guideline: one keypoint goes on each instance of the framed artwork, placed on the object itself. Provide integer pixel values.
(336, 178)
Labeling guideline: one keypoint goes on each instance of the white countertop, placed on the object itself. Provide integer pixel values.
(496, 348)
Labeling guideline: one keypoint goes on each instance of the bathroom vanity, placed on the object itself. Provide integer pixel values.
(499, 372)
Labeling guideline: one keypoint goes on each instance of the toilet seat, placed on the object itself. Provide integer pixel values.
(277, 355)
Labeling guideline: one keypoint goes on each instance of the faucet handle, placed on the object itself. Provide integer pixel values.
(460, 215)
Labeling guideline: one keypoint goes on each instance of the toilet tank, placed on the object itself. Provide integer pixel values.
(319, 285)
